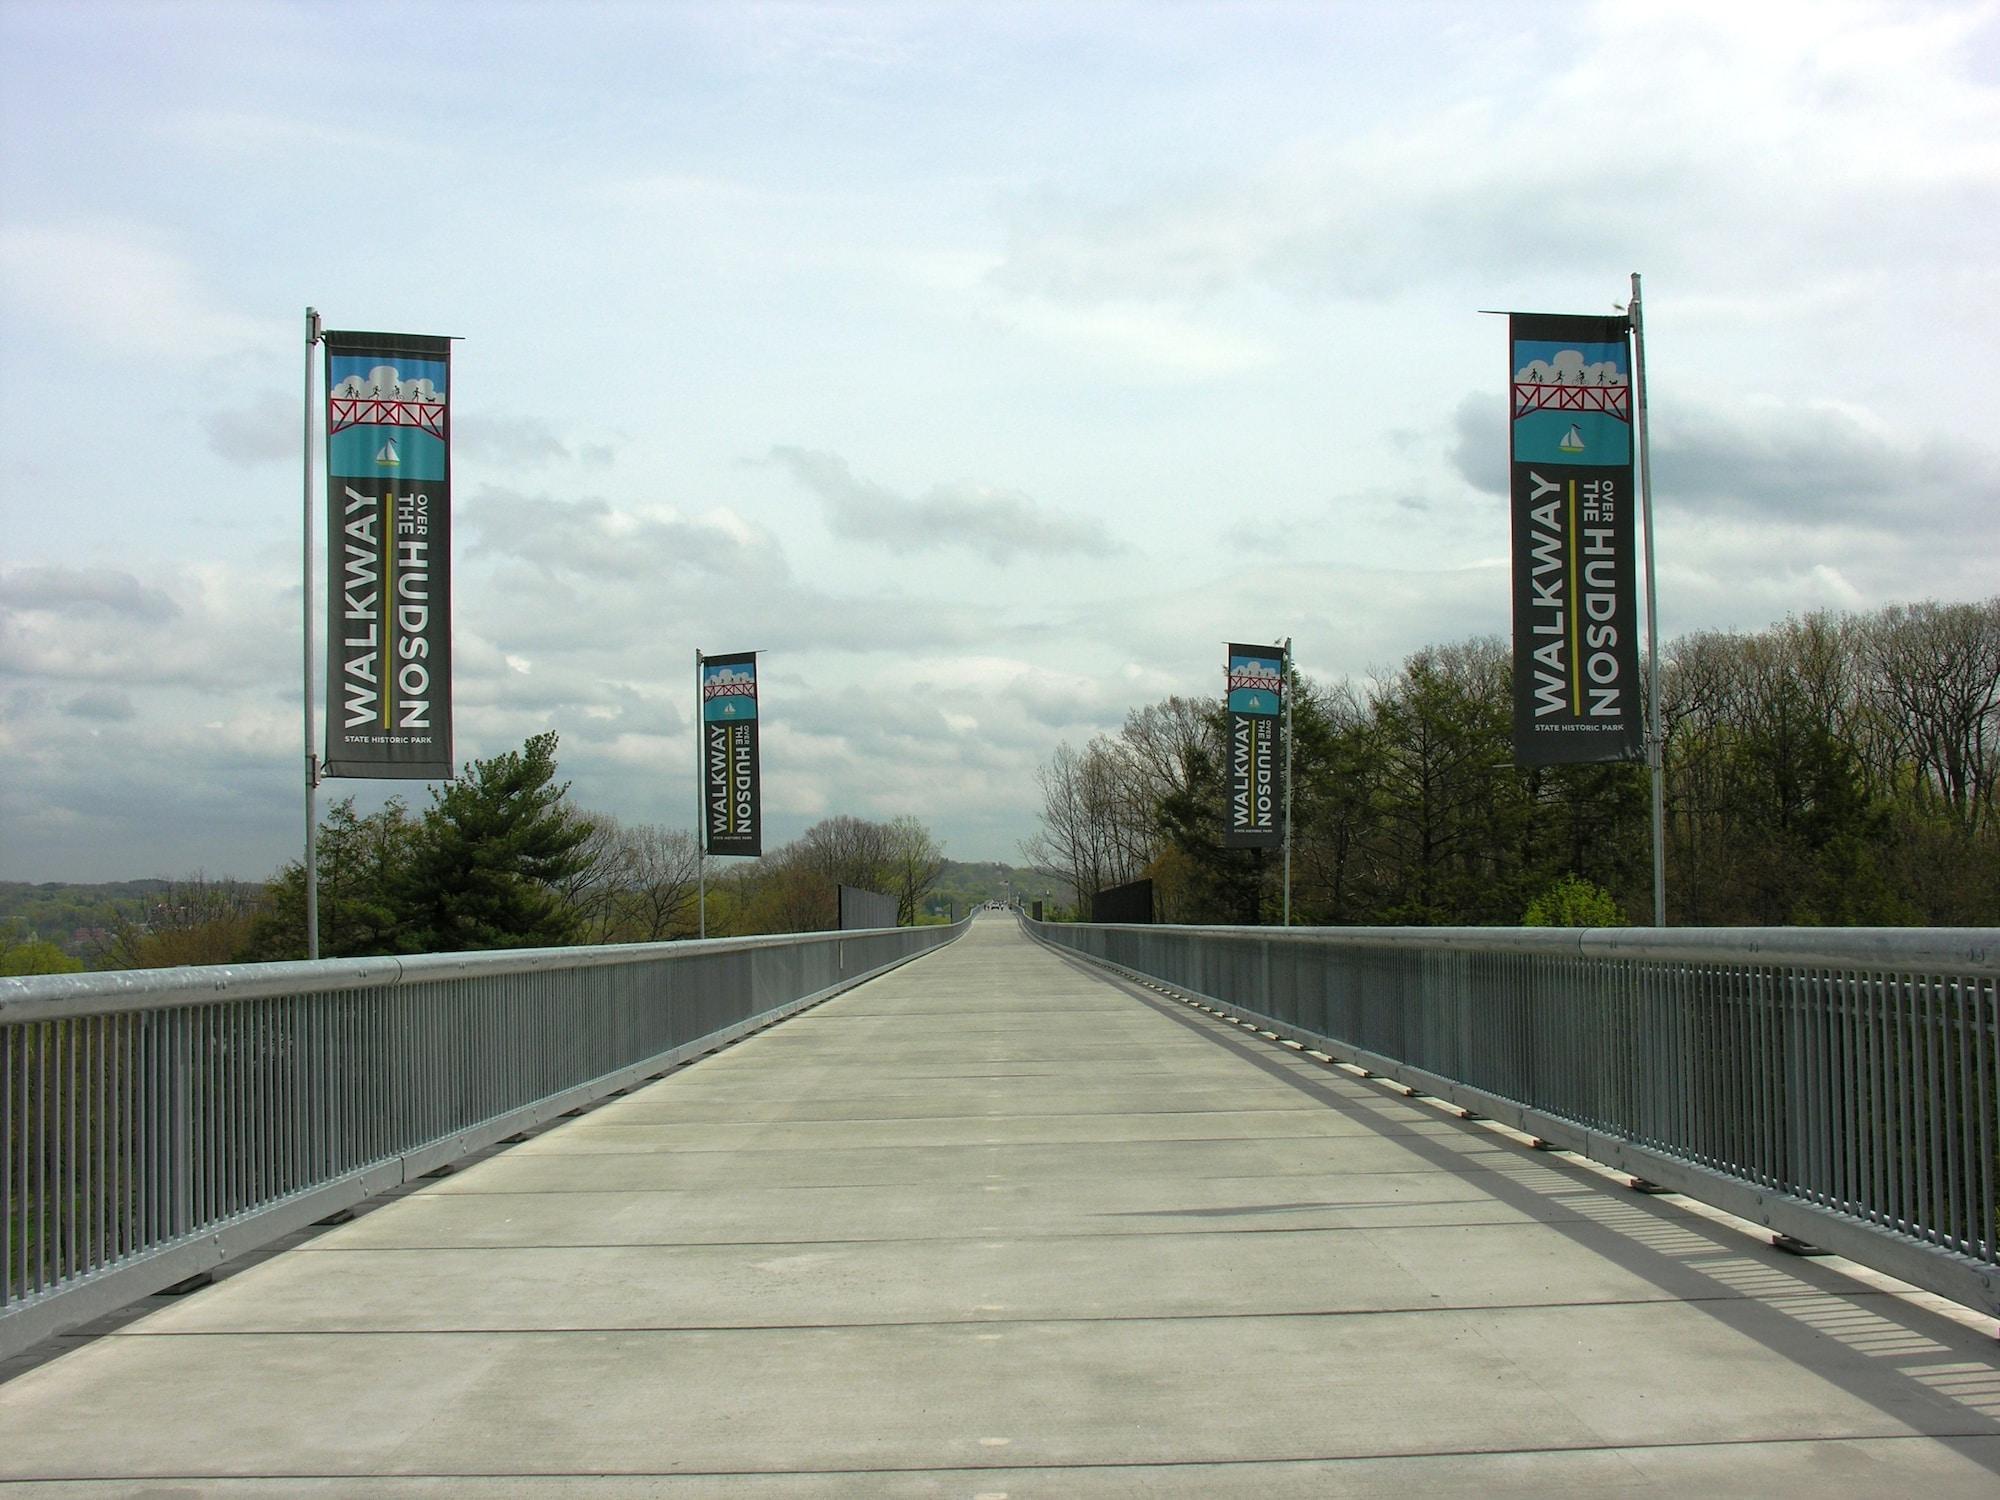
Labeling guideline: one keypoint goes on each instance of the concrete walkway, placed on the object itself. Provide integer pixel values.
(996, 1226)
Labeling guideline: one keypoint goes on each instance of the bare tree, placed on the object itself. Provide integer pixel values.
(194, 920)
(659, 871)
(916, 861)
(591, 890)
(1089, 839)
(1936, 676)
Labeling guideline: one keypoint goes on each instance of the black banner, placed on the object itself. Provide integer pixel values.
(388, 587)
(1576, 657)
(731, 798)
(1253, 816)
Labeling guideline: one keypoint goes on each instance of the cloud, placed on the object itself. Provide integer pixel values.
(1821, 461)
(262, 431)
(85, 591)
(1001, 525)
(1568, 368)
(112, 287)
(214, 627)
(109, 706)
(591, 538)
(1872, 138)
(515, 442)
(1479, 441)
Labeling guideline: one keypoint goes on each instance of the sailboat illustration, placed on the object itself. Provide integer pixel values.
(1572, 441)
(387, 457)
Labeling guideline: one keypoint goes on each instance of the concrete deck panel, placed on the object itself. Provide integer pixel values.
(996, 1226)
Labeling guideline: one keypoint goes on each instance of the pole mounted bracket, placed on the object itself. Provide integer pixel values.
(312, 768)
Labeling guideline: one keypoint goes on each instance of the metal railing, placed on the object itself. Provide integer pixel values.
(1838, 1086)
(155, 1122)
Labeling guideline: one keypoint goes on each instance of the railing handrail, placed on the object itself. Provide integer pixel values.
(1840, 1086)
(155, 1122)
(41, 997)
(1897, 950)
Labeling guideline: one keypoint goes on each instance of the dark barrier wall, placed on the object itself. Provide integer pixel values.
(861, 909)
(1124, 903)
(1038, 911)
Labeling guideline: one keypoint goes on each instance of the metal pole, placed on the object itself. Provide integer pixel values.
(1655, 744)
(1289, 684)
(312, 754)
(700, 813)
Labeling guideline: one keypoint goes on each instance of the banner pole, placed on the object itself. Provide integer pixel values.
(700, 813)
(1289, 683)
(1655, 743)
(312, 754)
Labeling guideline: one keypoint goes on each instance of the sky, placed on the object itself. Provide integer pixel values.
(986, 366)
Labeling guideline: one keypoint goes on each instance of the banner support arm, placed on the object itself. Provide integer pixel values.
(1655, 742)
(312, 753)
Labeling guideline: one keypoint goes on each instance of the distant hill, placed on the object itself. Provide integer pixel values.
(966, 883)
(77, 918)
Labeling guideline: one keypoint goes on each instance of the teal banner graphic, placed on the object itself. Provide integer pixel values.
(388, 507)
(1576, 657)
(1253, 811)
(731, 795)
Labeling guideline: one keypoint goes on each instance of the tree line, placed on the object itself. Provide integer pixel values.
(1833, 769)
(502, 858)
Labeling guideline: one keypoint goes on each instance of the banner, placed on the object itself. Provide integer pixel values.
(1256, 700)
(731, 801)
(388, 556)
(1576, 655)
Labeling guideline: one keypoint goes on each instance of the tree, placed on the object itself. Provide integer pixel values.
(21, 952)
(915, 861)
(1574, 902)
(361, 860)
(1091, 837)
(593, 889)
(490, 857)
(792, 888)
(194, 920)
(656, 900)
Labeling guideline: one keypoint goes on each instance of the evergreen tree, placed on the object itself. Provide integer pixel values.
(489, 859)
(360, 861)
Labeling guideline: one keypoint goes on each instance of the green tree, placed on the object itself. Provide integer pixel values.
(21, 952)
(360, 861)
(1574, 902)
(490, 858)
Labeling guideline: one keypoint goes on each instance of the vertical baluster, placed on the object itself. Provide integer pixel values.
(12, 1221)
(1958, 1135)
(94, 1132)
(1986, 1080)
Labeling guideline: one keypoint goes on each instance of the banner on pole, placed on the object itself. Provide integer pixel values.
(1256, 701)
(1576, 652)
(388, 513)
(731, 797)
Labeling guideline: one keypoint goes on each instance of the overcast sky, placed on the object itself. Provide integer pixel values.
(989, 366)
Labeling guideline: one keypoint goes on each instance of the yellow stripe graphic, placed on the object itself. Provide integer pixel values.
(1575, 612)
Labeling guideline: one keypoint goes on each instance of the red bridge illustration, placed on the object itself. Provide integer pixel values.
(1614, 400)
(345, 411)
(1255, 676)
